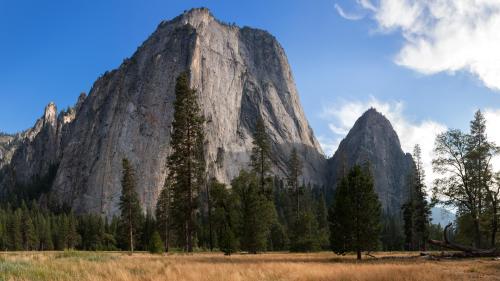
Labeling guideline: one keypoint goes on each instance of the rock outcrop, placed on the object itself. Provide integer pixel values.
(372, 140)
(8, 144)
(240, 74)
(37, 151)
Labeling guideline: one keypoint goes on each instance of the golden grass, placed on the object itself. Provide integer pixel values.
(216, 267)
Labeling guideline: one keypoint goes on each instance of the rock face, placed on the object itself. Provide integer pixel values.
(33, 153)
(240, 74)
(373, 139)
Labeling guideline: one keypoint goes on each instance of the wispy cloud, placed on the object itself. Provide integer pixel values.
(444, 35)
(342, 117)
(346, 15)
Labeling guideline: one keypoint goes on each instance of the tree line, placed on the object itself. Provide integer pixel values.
(258, 212)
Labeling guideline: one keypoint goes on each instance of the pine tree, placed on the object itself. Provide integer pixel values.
(163, 217)
(260, 157)
(294, 172)
(30, 238)
(15, 241)
(255, 212)
(223, 217)
(72, 238)
(155, 244)
(186, 163)
(322, 219)
(129, 205)
(408, 209)
(421, 209)
(148, 227)
(481, 151)
(45, 234)
(355, 214)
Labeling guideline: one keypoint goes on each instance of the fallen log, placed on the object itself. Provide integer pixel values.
(467, 250)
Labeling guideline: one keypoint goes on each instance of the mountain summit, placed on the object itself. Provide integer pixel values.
(240, 75)
(373, 140)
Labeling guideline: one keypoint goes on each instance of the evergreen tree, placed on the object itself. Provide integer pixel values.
(408, 209)
(223, 217)
(45, 234)
(421, 209)
(255, 212)
(322, 219)
(30, 237)
(15, 240)
(129, 205)
(260, 157)
(72, 238)
(186, 163)
(163, 217)
(355, 214)
(294, 172)
(147, 230)
(481, 151)
(392, 236)
(155, 244)
(304, 236)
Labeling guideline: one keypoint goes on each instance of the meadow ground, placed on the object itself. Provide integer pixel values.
(216, 267)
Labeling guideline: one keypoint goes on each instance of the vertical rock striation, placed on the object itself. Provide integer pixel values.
(239, 74)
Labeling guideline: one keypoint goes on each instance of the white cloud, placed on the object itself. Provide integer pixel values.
(444, 35)
(342, 118)
(346, 15)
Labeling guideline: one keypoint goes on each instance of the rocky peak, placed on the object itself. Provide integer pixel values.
(50, 115)
(372, 139)
(196, 17)
(239, 75)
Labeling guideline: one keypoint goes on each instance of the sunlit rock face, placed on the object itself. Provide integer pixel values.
(240, 74)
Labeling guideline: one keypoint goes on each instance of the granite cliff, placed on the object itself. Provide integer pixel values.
(373, 140)
(240, 74)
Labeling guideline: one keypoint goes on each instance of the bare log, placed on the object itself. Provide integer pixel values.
(468, 251)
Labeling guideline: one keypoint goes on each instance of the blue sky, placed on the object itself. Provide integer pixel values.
(53, 50)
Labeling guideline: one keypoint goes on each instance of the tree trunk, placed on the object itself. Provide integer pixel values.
(131, 235)
(468, 251)
(358, 252)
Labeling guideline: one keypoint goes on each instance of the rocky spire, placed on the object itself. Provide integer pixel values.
(373, 140)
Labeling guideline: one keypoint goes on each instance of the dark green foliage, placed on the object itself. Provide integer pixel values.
(392, 234)
(260, 159)
(224, 216)
(186, 163)
(38, 186)
(163, 217)
(304, 237)
(322, 219)
(130, 209)
(294, 172)
(155, 244)
(355, 214)
(255, 212)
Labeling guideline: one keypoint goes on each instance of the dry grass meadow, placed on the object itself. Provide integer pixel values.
(216, 267)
